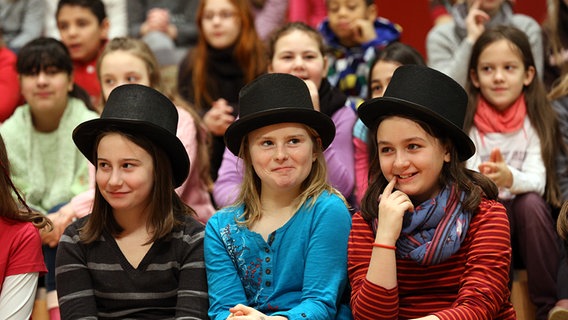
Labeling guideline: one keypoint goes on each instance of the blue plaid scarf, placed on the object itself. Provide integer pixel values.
(435, 230)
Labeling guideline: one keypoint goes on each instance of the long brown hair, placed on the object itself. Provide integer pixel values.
(140, 49)
(166, 207)
(9, 207)
(474, 184)
(539, 109)
(249, 52)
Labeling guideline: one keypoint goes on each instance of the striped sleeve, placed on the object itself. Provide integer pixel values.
(368, 301)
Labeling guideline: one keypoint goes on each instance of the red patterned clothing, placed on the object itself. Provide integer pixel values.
(472, 284)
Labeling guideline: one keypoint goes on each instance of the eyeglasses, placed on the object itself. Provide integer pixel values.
(223, 15)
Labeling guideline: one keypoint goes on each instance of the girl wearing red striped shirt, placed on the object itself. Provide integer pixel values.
(431, 241)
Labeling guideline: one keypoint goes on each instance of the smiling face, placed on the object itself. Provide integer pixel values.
(500, 74)
(298, 53)
(124, 174)
(406, 151)
(282, 156)
(81, 32)
(122, 67)
(46, 91)
(220, 24)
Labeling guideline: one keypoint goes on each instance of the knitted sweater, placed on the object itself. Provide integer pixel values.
(47, 167)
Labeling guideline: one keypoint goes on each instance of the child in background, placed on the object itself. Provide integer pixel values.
(139, 254)
(228, 55)
(46, 166)
(280, 252)
(391, 57)
(448, 45)
(84, 26)
(437, 245)
(298, 49)
(354, 33)
(21, 260)
(516, 134)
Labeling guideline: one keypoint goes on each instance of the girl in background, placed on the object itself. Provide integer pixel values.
(516, 134)
(228, 55)
(46, 166)
(21, 260)
(437, 245)
(298, 49)
(391, 57)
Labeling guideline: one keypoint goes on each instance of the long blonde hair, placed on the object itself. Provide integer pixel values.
(140, 49)
(311, 188)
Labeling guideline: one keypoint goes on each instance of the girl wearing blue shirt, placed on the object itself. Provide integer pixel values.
(281, 251)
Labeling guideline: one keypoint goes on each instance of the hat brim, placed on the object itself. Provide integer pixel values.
(318, 121)
(86, 133)
(370, 111)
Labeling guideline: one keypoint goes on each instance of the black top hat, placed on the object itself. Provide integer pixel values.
(425, 94)
(276, 98)
(139, 110)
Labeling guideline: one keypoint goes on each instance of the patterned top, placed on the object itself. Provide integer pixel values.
(96, 280)
(299, 273)
(472, 284)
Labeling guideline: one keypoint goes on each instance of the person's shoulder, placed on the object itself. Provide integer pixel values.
(526, 23)
(191, 225)
(447, 28)
(331, 200)
(228, 213)
(15, 122)
(9, 226)
(490, 207)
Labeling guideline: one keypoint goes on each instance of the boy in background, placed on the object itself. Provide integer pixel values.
(354, 33)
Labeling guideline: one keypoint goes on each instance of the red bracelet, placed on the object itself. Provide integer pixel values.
(384, 246)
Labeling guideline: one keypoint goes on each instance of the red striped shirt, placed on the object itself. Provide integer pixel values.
(472, 284)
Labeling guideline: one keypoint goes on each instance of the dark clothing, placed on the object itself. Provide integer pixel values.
(96, 279)
(224, 80)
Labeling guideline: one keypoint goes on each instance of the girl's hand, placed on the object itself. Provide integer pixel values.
(475, 21)
(219, 117)
(60, 220)
(392, 207)
(242, 312)
(497, 170)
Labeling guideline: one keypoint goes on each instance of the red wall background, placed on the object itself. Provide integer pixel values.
(414, 17)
